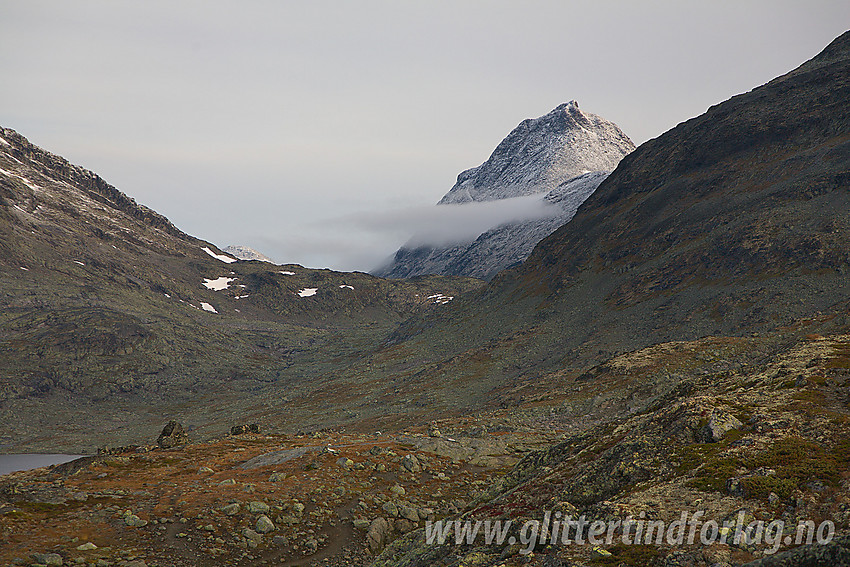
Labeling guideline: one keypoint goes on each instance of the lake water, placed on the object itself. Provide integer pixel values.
(12, 463)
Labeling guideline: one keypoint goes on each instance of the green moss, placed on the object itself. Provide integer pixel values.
(629, 556)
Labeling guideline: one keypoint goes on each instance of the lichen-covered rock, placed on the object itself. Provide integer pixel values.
(264, 525)
(377, 534)
(172, 435)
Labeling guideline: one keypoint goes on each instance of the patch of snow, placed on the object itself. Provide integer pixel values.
(218, 284)
(237, 311)
(25, 269)
(285, 273)
(4, 142)
(308, 292)
(241, 296)
(440, 298)
(207, 307)
(222, 257)
(345, 287)
(78, 262)
(166, 295)
(26, 181)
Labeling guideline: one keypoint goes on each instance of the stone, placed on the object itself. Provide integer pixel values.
(298, 508)
(88, 546)
(264, 525)
(311, 545)
(227, 482)
(345, 462)
(377, 534)
(718, 426)
(133, 521)
(242, 429)
(205, 470)
(398, 490)
(258, 507)
(280, 541)
(49, 559)
(251, 535)
(277, 477)
(172, 435)
(411, 463)
(390, 508)
(361, 523)
(231, 509)
(408, 513)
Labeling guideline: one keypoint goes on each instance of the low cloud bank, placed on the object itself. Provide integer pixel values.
(443, 225)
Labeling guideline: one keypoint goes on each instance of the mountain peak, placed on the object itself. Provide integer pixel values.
(542, 152)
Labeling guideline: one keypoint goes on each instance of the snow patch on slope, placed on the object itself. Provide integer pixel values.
(218, 284)
(222, 257)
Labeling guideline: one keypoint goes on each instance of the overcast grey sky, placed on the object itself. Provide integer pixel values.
(273, 124)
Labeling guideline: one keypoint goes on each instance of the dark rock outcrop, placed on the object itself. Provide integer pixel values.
(172, 435)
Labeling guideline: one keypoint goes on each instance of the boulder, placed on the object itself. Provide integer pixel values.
(264, 525)
(258, 507)
(172, 435)
(377, 534)
(241, 429)
(718, 426)
(411, 463)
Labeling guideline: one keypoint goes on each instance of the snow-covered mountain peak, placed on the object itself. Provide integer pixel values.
(540, 153)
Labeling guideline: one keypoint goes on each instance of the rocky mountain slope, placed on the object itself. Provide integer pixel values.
(563, 156)
(106, 305)
(730, 223)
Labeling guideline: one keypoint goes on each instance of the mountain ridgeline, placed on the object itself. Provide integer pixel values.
(561, 156)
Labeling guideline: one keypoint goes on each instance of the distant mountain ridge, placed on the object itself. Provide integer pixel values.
(563, 156)
(247, 253)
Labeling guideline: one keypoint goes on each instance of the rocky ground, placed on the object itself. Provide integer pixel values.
(330, 498)
(732, 434)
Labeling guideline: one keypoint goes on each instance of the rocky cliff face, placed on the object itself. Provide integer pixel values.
(562, 156)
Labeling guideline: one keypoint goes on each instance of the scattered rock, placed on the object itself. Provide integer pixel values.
(251, 535)
(241, 429)
(411, 463)
(49, 559)
(258, 507)
(361, 523)
(172, 435)
(88, 546)
(206, 470)
(264, 525)
(390, 508)
(718, 426)
(311, 545)
(377, 534)
(408, 513)
(231, 509)
(277, 477)
(133, 521)
(345, 462)
(397, 489)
